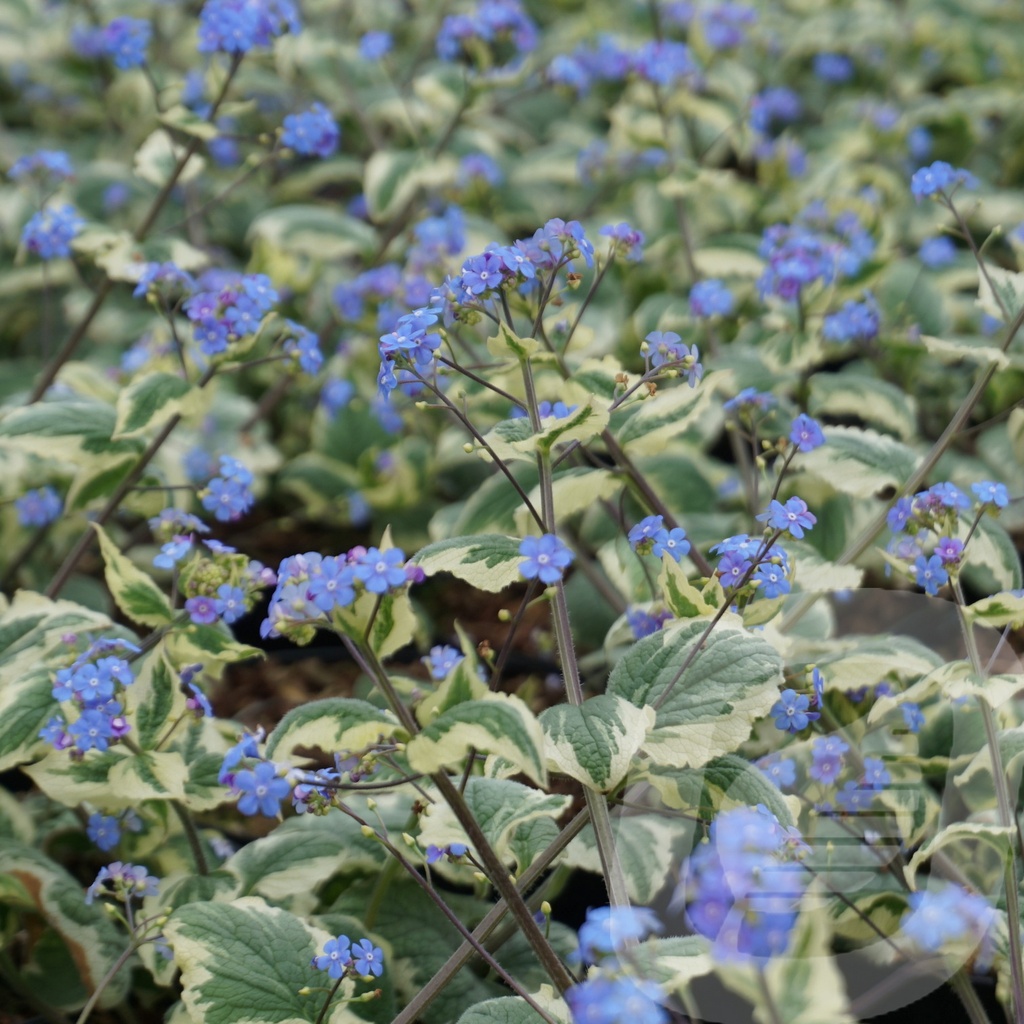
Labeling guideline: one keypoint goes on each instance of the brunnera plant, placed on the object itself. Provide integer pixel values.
(683, 342)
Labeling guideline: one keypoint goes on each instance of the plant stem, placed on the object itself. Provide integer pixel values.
(330, 999)
(76, 336)
(465, 952)
(497, 872)
(104, 982)
(195, 843)
(1007, 814)
(81, 546)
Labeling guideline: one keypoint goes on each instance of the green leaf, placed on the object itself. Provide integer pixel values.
(422, 939)
(507, 1010)
(999, 837)
(134, 592)
(74, 432)
(650, 849)
(992, 562)
(999, 610)
(150, 401)
(302, 854)
(188, 121)
(859, 462)
(662, 417)
(530, 840)
(316, 232)
(722, 783)
(870, 399)
(245, 962)
(157, 157)
(956, 350)
(574, 490)
(113, 779)
(497, 724)
(1001, 293)
(500, 806)
(856, 661)
(684, 600)
(506, 344)
(90, 935)
(154, 700)
(393, 177)
(582, 424)
(488, 562)
(332, 725)
(596, 742)
(94, 482)
(394, 621)
(729, 684)
(212, 645)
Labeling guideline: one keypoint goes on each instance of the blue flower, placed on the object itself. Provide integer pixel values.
(104, 830)
(899, 515)
(613, 1000)
(940, 916)
(793, 517)
(876, 775)
(49, 165)
(607, 929)
(49, 232)
(672, 543)
(313, 132)
(940, 179)
(913, 717)
(368, 958)
(950, 550)
(237, 26)
(930, 573)
(989, 493)
(818, 682)
(724, 23)
(711, 298)
(380, 571)
(442, 660)
(38, 507)
(232, 602)
(778, 769)
(856, 321)
(649, 529)
(545, 558)
(261, 789)
(790, 711)
(732, 567)
(937, 252)
(827, 758)
(833, 67)
(627, 241)
(375, 45)
(771, 580)
(125, 41)
(806, 433)
(335, 957)
(204, 610)
(749, 399)
(478, 167)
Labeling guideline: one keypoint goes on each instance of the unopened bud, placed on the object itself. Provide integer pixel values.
(468, 448)
(369, 832)
(504, 615)
(479, 876)
(371, 804)
(545, 908)
(408, 840)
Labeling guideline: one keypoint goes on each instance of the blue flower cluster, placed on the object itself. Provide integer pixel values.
(651, 536)
(340, 958)
(442, 659)
(38, 507)
(49, 233)
(948, 913)
(814, 248)
(226, 307)
(940, 180)
(742, 889)
(90, 688)
(49, 166)
(644, 623)
(313, 132)
(237, 26)
(925, 526)
(710, 298)
(125, 882)
(664, 62)
(228, 495)
(497, 35)
(611, 995)
(856, 321)
(762, 564)
(311, 586)
(665, 349)
(303, 346)
(411, 342)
